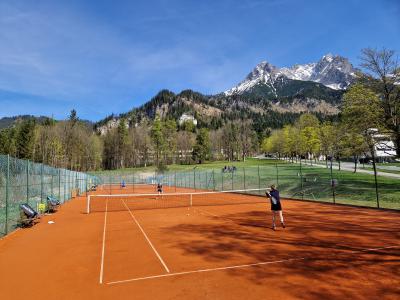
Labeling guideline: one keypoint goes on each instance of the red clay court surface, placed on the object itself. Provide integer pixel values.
(207, 252)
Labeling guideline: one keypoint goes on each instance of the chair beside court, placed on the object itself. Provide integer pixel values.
(28, 216)
(53, 204)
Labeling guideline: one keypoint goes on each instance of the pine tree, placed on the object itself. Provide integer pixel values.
(73, 118)
(122, 135)
(157, 138)
(201, 150)
(26, 139)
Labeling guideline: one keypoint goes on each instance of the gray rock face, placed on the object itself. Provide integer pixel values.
(335, 72)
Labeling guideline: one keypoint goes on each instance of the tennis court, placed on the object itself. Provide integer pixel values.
(121, 250)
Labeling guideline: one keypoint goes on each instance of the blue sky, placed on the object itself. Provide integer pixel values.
(103, 57)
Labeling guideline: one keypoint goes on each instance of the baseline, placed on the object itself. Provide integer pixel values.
(237, 266)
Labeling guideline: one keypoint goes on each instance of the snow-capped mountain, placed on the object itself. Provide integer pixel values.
(334, 72)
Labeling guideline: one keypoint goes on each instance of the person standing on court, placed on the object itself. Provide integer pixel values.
(159, 188)
(276, 207)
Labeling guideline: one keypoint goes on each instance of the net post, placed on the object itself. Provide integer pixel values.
(191, 199)
(277, 174)
(88, 204)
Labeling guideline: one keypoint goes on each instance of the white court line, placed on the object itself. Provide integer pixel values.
(208, 270)
(208, 213)
(148, 240)
(104, 246)
(374, 249)
(235, 267)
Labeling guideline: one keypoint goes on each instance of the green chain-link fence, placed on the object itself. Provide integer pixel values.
(23, 181)
(293, 180)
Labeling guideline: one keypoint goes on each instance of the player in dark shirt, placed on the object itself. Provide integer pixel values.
(159, 188)
(276, 206)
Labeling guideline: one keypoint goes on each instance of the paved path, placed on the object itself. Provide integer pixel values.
(350, 167)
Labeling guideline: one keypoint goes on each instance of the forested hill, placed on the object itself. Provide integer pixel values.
(270, 96)
(10, 121)
(266, 106)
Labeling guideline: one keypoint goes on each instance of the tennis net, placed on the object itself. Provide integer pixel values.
(122, 202)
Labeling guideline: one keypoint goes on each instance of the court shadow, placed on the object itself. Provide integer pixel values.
(342, 252)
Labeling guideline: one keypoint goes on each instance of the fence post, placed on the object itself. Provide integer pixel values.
(109, 180)
(41, 183)
(222, 177)
(301, 181)
(213, 179)
(7, 190)
(65, 185)
(232, 181)
(86, 184)
(375, 178)
(332, 184)
(27, 181)
(59, 184)
(244, 178)
(259, 178)
(175, 181)
(277, 175)
(194, 179)
(51, 185)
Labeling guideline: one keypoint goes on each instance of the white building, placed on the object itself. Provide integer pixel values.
(187, 118)
(384, 147)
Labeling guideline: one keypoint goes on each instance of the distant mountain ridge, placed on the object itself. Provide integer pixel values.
(6, 122)
(269, 96)
(334, 72)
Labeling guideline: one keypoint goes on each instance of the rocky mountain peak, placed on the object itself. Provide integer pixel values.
(333, 71)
